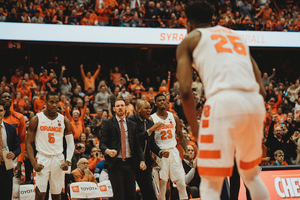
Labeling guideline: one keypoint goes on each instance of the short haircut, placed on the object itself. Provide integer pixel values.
(159, 95)
(278, 152)
(37, 11)
(3, 93)
(119, 99)
(51, 94)
(199, 12)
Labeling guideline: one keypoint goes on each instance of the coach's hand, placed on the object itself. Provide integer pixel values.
(111, 153)
(65, 166)
(38, 167)
(165, 154)
(10, 155)
(143, 165)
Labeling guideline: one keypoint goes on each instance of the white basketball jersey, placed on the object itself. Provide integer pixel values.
(49, 135)
(165, 136)
(223, 61)
(297, 110)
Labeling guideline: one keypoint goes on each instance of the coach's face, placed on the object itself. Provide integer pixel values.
(145, 111)
(120, 108)
(52, 103)
(161, 102)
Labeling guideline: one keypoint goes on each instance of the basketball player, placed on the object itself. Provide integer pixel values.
(47, 129)
(233, 115)
(165, 139)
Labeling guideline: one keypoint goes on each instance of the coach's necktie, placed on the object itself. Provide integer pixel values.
(1, 144)
(144, 127)
(123, 139)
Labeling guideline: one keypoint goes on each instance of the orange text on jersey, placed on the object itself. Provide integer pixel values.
(51, 128)
(166, 127)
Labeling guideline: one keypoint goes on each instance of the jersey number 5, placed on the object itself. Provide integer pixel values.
(164, 133)
(51, 138)
(237, 46)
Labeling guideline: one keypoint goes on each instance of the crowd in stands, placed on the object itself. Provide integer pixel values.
(270, 15)
(88, 104)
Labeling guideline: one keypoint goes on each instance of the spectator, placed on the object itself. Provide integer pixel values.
(25, 91)
(65, 86)
(274, 106)
(25, 18)
(197, 85)
(95, 159)
(129, 107)
(13, 16)
(39, 103)
(281, 118)
(88, 118)
(73, 19)
(279, 158)
(174, 21)
(114, 96)
(48, 18)
(182, 20)
(99, 168)
(78, 153)
(82, 138)
(136, 22)
(76, 120)
(103, 12)
(112, 4)
(37, 18)
(286, 107)
(292, 93)
(137, 87)
(102, 100)
(150, 14)
(245, 8)
(86, 20)
(282, 26)
(97, 122)
(60, 18)
(265, 13)
(126, 17)
(29, 83)
(82, 172)
(115, 18)
(277, 140)
(297, 108)
(89, 80)
(2, 15)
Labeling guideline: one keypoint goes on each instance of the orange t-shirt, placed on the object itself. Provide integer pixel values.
(182, 21)
(165, 88)
(38, 104)
(18, 120)
(29, 83)
(93, 163)
(88, 82)
(15, 79)
(136, 89)
(281, 118)
(17, 104)
(78, 126)
(44, 80)
(103, 14)
(25, 92)
(148, 95)
(116, 78)
(86, 21)
(130, 110)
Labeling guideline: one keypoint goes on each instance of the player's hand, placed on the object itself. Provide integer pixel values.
(143, 165)
(10, 155)
(65, 166)
(38, 167)
(165, 154)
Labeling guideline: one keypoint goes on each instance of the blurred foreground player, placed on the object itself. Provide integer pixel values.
(47, 129)
(232, 120)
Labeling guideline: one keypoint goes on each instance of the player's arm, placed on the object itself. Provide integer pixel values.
(179, 134)
(257, 74)
(184, 75)
(29, 140)
(70, 144)
(22, 139)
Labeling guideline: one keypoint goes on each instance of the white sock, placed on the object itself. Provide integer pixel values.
(162, 190)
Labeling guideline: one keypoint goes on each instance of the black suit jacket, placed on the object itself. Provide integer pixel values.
(110, 138)
(12, 142)
(143, 136)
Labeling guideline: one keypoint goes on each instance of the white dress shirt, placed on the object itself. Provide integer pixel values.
(4, 135)
(128, 152)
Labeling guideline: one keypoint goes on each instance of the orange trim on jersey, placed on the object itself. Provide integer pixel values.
(249, 165)
(215, 171)
(206, 138)
(205, 123)
(210, 154)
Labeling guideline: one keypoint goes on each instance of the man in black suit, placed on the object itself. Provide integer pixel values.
(119, 141)
(146, 128)
(8, 138)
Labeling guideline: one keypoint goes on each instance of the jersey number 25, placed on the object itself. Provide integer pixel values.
(237, 46)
